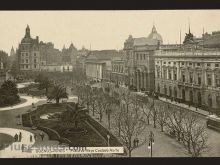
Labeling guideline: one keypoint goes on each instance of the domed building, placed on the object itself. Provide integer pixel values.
(140, 60)
(154, 36)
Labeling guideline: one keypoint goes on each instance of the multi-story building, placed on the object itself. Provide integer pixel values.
(139, 59)
(69, 55)
(190, 73)
(191, 77)
(98, 64)
(29, 54)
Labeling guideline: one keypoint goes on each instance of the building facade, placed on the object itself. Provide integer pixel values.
(29, 54)
(191, 77)
(139, 59)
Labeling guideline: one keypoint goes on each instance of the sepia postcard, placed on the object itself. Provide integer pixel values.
(134, 83)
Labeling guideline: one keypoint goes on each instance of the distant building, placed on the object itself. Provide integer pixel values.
(29, 54)
(69, 55)
(98, 64)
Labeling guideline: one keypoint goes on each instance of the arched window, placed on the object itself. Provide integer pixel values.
(170, 91)
(199, 98)
(210, 101)
(183, 94)
(175, 92)
(165, 90)
(191, 96)
(158, 88)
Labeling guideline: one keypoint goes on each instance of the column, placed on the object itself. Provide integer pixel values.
(140, 79)
(145, 84)
(213, 79)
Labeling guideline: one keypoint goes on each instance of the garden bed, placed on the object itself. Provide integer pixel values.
(56, 130)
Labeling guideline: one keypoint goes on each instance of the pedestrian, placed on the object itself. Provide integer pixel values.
(42, 136)
(16, 137)
(30, 138)
(35, 137)
(20, 136)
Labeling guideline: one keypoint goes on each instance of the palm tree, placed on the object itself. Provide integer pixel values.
(57, 93)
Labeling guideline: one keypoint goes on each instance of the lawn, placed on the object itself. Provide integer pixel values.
(5, 140)
(89, 138)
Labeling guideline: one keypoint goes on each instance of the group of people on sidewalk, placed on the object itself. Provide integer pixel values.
(18, 137)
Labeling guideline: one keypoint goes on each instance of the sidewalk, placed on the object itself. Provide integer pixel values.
(196, 110)
(164, 145)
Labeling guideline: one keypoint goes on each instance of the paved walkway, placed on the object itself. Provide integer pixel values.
(28, 102)
(14, 149)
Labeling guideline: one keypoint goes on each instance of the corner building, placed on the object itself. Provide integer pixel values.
(191, 77)
(140, 60)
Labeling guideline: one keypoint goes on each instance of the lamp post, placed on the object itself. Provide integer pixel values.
(151, 142)
(108, 137)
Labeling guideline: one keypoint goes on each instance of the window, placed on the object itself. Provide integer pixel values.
(168, 62)
(174, 63)
(208, 64)
(137, 56)
(199, 79)
(140, 56)
(26, 60)
(35, 66)
(158, 73)
(183, 78)
(217, 81)
(35, 54)
(216, 65)
(191, 78)
(170, 75)
(26, 66)
(35, 60)
(175, 76)
(144, 56)
(182, 63)
(190, 63)
(26, 54)
(198, 64)
(164, 74)
(164, 62)
(22, 61)
(209, 80)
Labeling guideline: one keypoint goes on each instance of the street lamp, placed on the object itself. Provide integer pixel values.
(151, 142)
(108, 137)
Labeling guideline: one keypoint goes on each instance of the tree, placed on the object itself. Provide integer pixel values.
(175, 120)
(154, 114)
(93, 100)
(14, 69)
(44, 82)
(132, 124)
(194, 135)
(9, 93)
(117, 120)
(57, 93)
(103, 103)
(74, 114)
(162, 115)
(147, 108)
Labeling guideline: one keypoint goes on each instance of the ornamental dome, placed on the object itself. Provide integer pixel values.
(155, 36)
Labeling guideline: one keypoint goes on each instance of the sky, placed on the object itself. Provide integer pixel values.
(103, 29)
